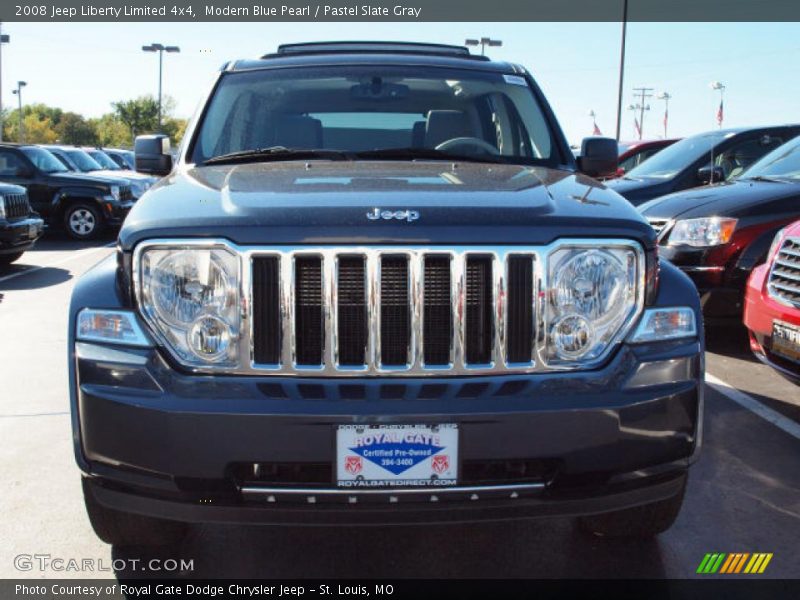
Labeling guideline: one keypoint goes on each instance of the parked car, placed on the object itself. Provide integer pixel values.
(84, 204)
(376, 287)
(79, 160)
(718, 234)
(772, 305)
(20, 226)
(108, 164)
(632, 154)
(123, 158)
(699, 160)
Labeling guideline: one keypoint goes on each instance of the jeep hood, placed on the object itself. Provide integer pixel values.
(327, 202)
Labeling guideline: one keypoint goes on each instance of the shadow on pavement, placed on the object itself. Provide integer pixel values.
(58, 240)
(729, 341)
(544, 548)
(41, 278)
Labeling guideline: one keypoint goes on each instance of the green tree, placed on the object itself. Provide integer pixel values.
(140, 114)
(36, 130)
(74, 129)
(175, 128)
(111, 132)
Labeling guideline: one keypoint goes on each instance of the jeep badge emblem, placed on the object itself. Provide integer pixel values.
(388, 215)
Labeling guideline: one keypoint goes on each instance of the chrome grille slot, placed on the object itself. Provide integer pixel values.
(784, 277)
(479, 319)
(267, 318)
(351, 311)
(308, 310)
(519, 312)
(16, 206)
(395, 322)
(437, 314)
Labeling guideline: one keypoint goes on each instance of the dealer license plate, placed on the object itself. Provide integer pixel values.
(786, 340)
(374, 456)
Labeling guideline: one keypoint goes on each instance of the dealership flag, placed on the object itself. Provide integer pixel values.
(666, 119)
(637, 127)
(720, 113)
(597, 130)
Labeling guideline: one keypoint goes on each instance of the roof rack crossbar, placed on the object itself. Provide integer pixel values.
(371, 47)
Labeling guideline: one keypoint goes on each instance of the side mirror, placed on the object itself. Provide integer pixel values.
(598, 157)
(709, 174)
(152, 154)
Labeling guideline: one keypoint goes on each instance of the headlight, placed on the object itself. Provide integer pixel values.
(593, 294)
(2, 208)
(708, 231)
(190, 296)
(115, 192)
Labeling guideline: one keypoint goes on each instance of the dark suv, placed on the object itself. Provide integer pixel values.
(20, 226)
(84, 204)
(377, 287)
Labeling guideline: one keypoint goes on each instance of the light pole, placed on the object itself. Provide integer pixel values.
(665, 96)
(4, 39)
(18, 92)
(622, 65)
(720, 87)
(483, 42)
(160, 48)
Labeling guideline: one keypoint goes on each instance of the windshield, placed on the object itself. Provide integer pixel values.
(783, 162)
(83, 161)
(672, 160)
(44, 160)
(366, 108)
(103, 160)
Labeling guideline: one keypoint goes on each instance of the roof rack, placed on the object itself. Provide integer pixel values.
(373, 47)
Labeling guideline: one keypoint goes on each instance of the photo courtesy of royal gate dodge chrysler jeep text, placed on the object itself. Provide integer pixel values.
(377, 287)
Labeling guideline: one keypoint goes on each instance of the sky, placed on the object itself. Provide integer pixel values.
(83, 67)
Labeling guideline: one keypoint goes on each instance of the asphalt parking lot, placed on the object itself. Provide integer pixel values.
(743, 495)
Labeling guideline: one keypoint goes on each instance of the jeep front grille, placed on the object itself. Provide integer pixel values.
(393, 311)
(784, 278)
(16, 206)
(125, 193)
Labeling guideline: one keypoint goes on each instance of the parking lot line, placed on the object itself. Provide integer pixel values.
(78, 254)
(753, 405)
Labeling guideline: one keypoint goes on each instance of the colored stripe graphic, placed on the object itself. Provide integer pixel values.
(727, 564)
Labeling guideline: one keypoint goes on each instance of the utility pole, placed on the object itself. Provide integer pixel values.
(622, 65)
(665, 96)
(4, 39)
(644, 93)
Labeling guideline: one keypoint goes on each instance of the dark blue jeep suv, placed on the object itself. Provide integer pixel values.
(376, 287)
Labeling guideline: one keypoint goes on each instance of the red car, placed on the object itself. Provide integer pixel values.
(772, 305)
(632, 154)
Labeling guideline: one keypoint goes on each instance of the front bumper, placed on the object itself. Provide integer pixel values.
(20, 235)
(760, 312)
(158, 442)
(721, 287)
(115, 212)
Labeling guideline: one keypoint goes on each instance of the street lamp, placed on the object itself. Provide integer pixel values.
(4, 39)
(720, 87)
(483, 42)
(160, 48)
(18, 92)
(665, 96)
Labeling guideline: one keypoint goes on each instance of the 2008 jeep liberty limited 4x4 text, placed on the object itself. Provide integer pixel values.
(376, 287)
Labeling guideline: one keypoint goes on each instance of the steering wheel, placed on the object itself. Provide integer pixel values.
(468, 141)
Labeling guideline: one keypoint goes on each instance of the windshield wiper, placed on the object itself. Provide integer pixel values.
(424, 153)
(277, 153)
(764, 178)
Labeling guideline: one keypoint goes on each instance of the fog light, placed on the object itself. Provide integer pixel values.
(209, 337)
(572, 336)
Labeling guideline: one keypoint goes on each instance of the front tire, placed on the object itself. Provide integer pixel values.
(122, 529)
(641, 522)
(83, 221)
(7, 259)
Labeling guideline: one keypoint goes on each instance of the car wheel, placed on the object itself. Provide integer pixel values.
(122, 529)
(638, 522)
(7, 259)
(83, 221)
